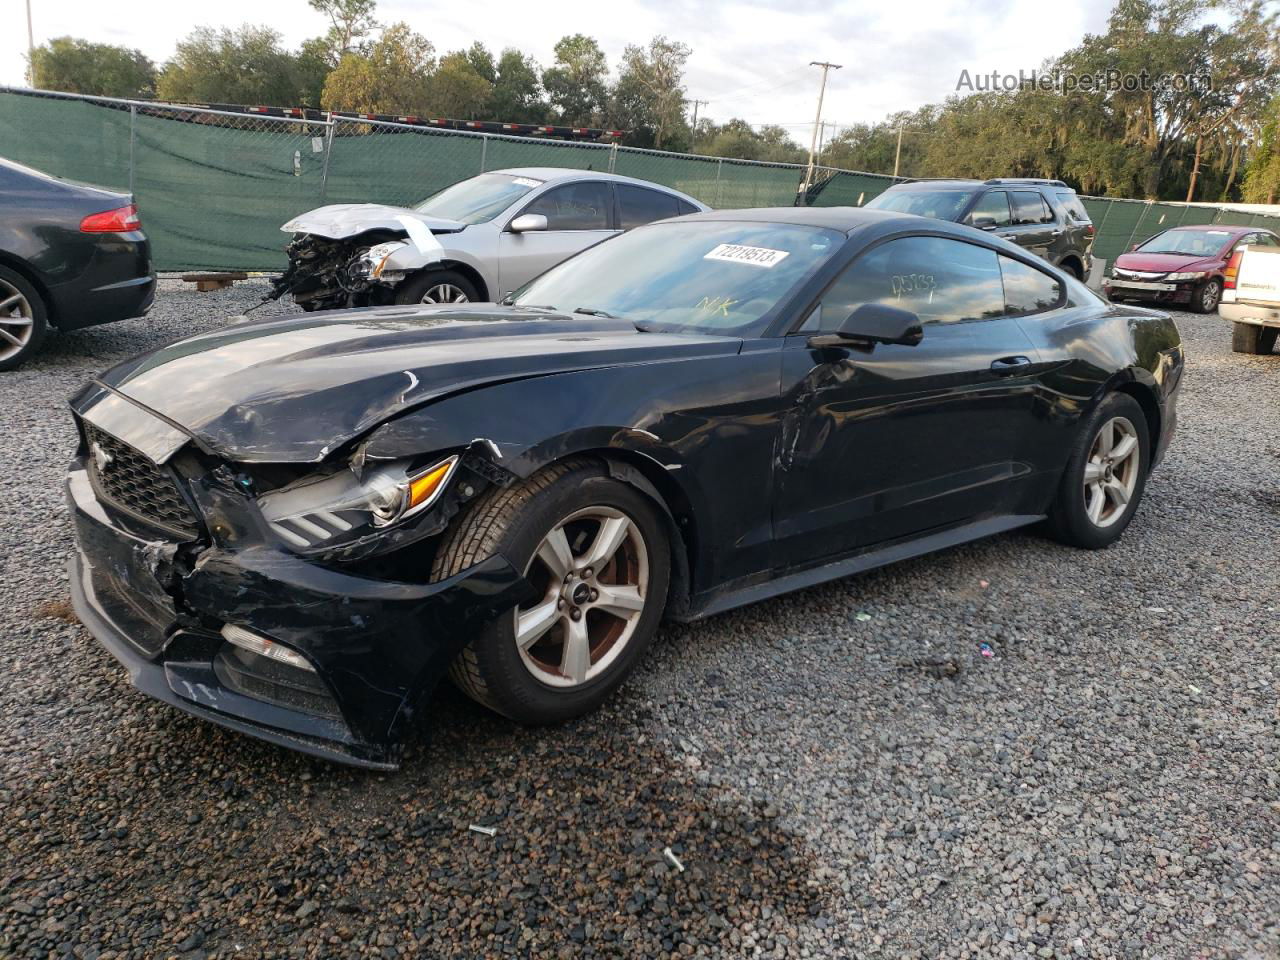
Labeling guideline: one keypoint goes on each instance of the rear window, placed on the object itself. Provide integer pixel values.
(1074, 206)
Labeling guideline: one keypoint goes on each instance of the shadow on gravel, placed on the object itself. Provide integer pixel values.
(193, 841)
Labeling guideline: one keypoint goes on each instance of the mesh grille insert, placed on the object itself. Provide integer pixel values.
(129, 480)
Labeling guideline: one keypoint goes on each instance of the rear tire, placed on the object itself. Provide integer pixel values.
(437, 287)
(586, 630)
(1205, 297)
(24, 319)
(1105, 476)
(1253, 338)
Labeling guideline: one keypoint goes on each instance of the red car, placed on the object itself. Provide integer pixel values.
(1182, 265)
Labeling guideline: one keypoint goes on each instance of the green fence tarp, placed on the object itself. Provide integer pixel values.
(214, 189)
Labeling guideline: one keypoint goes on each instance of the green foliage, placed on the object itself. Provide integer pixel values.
(79, 66)
(457, 89)
(244, 65)
(394, 76)
(649, 96)
(1262, 176)
(517, 90)
(577, 83)
(351, 22)
(738, 139)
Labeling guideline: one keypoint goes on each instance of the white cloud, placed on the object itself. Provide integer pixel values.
(750, 57)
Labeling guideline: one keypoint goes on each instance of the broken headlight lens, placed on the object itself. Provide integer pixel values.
(344, 506)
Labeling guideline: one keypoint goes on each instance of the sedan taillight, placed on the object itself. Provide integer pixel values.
(119, 220)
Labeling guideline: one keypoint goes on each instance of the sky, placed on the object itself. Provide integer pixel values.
(750, 57)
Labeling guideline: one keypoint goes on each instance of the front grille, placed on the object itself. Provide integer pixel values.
(127, 479)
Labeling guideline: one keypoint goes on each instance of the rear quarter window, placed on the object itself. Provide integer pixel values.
(1074, 206)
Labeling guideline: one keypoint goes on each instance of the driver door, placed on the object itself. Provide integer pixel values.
(890, 441)
(579, 215)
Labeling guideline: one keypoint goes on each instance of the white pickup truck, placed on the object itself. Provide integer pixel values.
(1251, 297)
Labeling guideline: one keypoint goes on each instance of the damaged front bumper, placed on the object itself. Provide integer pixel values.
(377, 648)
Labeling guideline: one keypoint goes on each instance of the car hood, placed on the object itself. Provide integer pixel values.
(293, 390)
(341, 220)
(1165, 262)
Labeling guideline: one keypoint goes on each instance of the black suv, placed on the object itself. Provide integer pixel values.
(1044, 216)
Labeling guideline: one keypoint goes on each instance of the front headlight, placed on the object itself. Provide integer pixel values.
(1193, 275)
(311, 512)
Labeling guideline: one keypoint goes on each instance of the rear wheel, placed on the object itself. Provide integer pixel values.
(1205, 297)
(23, 319)
(1253, 338)
(437, 287)
(1105, 475)
(595, 552)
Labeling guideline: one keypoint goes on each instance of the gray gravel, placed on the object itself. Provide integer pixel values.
(840, 770)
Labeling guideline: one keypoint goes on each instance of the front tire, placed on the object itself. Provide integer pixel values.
(437, 287)
(24, 319)
(1205, 297)
(1105, 477)
(596, 552)
(1253, 338)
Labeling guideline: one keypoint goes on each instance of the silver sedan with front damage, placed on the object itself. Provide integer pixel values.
(477, 240)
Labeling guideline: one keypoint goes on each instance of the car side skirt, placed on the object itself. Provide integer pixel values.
(722, 600)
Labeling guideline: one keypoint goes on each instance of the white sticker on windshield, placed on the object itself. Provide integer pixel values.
(755, 256)
(526, 182)
(1219, 233)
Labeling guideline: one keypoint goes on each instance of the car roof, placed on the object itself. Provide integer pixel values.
(844, 219)
(554, 174)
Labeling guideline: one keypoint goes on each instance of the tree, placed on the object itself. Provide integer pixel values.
(245, 65)
(313, 69)
(576, 84)
(457, 90)
(517, 94)
(351, 21)
(1262, 176)
(738, 139)
(650, 89)
(79, 66)
(394, 76)
(481, 60)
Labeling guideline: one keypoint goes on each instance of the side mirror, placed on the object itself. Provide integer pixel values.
(873, 323)
(527, 223)
(984, 223)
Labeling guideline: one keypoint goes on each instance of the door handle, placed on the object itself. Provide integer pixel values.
(1010, 364)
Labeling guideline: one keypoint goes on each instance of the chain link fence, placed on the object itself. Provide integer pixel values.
(214, 187)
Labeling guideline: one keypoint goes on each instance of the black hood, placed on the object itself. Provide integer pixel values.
(293, 390)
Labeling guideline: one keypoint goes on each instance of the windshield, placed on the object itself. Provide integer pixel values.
(479, 199)
(1197, 243)
(701, 276)
(939, 204)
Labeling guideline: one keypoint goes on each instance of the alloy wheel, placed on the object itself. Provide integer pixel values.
(592, 574)
(17, 321)
(445, 293)
(1209, 297)
(1111, 472)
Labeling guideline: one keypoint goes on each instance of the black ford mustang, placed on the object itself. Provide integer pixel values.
(296, 527)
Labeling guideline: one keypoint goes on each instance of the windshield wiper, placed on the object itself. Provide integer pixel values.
(593, 312)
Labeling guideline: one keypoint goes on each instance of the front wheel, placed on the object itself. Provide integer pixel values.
(437, 287)
(1105, 476)
(1204, 298)
(597, 556)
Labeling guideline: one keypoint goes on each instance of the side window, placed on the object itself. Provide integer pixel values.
(1268, 240)
(1074, 206)
(575, 206)
(640, 206)
(993, 206)
(686, 207)
(1026, 289)
(938, 279)
(1028, 207)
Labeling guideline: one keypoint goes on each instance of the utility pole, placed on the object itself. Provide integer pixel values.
(897, 154)
(813, 142)
(31, 49)
(696, 104)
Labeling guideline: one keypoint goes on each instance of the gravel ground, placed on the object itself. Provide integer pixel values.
(840, 770)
